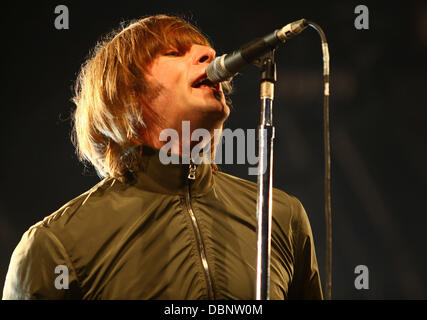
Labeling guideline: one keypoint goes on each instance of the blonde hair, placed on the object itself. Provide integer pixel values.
(113, 114)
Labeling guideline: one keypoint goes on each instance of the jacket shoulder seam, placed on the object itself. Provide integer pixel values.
(55, 239)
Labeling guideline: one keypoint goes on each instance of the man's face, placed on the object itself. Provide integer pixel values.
(182, 95)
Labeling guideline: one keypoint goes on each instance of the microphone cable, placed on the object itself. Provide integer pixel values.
(327, 159)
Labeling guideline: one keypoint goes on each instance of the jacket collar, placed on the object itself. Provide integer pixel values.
(154, 176)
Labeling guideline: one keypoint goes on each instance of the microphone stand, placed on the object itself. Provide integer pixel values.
(265, 174)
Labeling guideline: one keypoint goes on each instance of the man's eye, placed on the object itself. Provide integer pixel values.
(172, 53)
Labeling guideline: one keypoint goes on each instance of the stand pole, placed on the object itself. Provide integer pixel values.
(265, 176)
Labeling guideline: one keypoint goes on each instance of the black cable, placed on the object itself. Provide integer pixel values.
(327, 152)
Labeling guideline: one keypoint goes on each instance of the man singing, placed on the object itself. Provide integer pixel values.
(150, 230)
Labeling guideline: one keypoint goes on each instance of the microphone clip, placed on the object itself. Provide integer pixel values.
(267, 65)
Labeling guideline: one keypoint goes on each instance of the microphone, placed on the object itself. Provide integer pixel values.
(227, 66)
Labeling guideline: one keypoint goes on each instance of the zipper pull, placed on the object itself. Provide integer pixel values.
(192, 171)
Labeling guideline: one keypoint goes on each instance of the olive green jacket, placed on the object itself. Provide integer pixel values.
(164, 237)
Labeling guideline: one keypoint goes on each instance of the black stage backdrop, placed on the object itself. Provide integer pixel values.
(378, 122)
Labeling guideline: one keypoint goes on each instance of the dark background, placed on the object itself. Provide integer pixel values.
(378, 119)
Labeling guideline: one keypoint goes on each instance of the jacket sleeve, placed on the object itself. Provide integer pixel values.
(40, 268)
(306, 282)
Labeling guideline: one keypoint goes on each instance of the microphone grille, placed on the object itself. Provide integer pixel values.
(216, 71)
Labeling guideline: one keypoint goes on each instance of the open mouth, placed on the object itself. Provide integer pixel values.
(204, 82)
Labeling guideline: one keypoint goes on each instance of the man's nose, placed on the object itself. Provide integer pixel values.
(203, 54)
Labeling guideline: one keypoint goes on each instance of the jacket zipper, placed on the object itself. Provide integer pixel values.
(202, 249)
